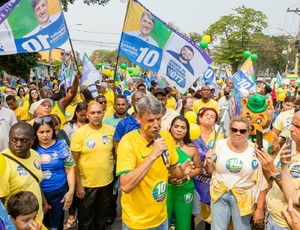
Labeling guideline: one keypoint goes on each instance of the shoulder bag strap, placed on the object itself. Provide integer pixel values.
(23, 166)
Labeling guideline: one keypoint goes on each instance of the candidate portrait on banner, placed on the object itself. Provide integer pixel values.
(147, 24)
(41, 12)
(31, 26)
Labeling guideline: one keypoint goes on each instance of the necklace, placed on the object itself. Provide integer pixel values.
(178, 144)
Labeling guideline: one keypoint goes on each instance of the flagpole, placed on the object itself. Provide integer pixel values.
(118, 56)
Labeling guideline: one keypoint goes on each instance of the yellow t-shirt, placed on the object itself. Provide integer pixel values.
(110, 97)
(109, 111)
(275, 198)
(145, 206)
(70, 110)
(16, 179)
(21, 114)
(281, 94)
(57, 110)
(96, 161)
(211, 104)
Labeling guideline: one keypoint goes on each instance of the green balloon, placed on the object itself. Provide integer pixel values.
(75, 69)
(247, 54)
(254, 57)
(123, 66)
(99, 65)
(203, 44)
(130, 71)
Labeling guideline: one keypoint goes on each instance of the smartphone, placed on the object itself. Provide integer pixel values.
(259, 139)
(289, 143)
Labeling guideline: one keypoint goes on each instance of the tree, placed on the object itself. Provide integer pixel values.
(233, 32)
(19, 64)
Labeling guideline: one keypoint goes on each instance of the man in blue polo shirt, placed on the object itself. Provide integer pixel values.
(120, 105)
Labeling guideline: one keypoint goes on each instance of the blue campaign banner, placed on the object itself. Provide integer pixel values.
(31, 26)
(242, 81)
(150, 43)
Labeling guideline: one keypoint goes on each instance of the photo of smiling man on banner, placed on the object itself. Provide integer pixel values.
(31, 26)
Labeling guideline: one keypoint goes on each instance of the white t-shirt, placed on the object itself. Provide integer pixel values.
(7, 120)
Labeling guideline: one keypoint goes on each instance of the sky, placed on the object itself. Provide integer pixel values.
(99, 27)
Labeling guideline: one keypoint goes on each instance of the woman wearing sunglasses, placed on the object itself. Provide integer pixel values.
(207, 118)
(238, 188)
(181, 192)
(58, 171)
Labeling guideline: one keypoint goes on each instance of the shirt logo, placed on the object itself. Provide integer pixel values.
(188, 197)
(45, 158)
(254, 164)
(22, 171)
(3, 122)
(105, 140)
(90, 144)
(47, 174)
(37, 164)
(295, 171)
(160, 190)
(234, 165)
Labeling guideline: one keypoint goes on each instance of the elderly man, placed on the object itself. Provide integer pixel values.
(284, 174)
(143, 173)
(20, 159)
(92, 148)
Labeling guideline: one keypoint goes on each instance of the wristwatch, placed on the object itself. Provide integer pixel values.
(277, 176)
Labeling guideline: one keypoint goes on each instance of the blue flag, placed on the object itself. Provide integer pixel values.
(23, 29)
(160, 48)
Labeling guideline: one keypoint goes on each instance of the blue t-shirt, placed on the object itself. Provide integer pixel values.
(5, 221)
(54, 160)
(125, 126)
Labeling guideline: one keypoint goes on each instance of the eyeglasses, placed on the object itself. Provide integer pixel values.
(39, 120)
(242, 131)
(102, 102)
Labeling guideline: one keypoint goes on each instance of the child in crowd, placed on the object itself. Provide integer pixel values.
(23, 208)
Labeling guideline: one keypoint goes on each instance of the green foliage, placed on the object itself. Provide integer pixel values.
(106, 56)
(19, 64)
(234, 33)
(57, 66)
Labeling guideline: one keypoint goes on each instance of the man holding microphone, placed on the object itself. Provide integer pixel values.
(143, 173)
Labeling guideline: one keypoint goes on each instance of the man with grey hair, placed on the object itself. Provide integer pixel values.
(143, 173)
(147, 24)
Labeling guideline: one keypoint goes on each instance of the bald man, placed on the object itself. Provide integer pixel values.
(93, 151)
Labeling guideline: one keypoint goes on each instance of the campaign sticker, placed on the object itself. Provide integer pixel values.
(234, 165)
(254, 164)
(22, 171)
(90, 144)
(160, 190)
(105, 140)
(295, 171)
(37, 164)
(278, 165)
(46, 158)
(47, 174)
(3, 122)
(188, 197)
(68, 115)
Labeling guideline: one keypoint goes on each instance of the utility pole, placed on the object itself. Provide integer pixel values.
(297, 42)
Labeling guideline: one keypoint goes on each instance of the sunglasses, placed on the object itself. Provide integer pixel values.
(242, 131)
(39, 120)
(102, 102)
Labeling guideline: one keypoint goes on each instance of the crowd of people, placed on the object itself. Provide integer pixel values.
(68, 152)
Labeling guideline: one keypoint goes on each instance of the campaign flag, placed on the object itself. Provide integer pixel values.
(66, 74)
(23, 29)
(209, 76)
(90, 75)
(278, 80)
(247, 68)
(160, 48)
(228, 72)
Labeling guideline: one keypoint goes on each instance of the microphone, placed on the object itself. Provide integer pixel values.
(164, 154)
